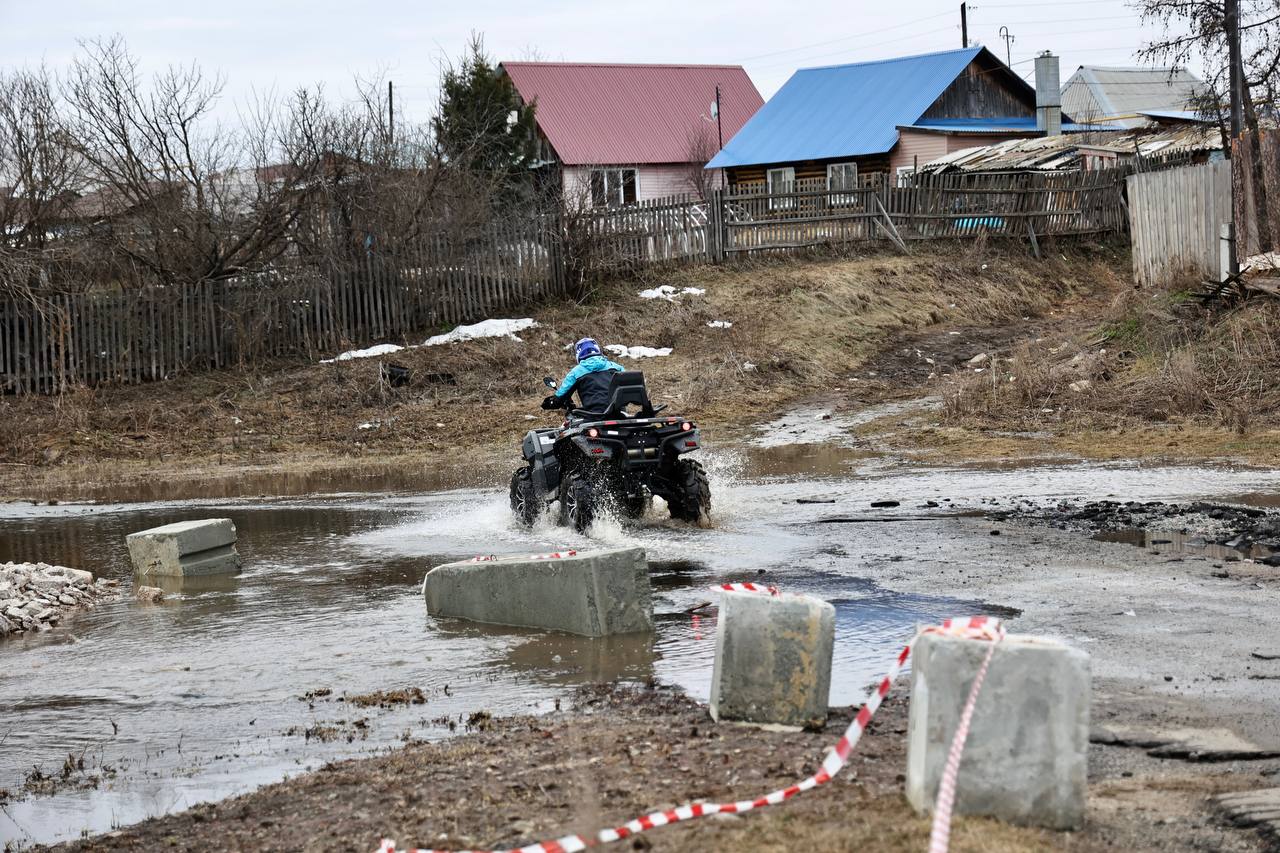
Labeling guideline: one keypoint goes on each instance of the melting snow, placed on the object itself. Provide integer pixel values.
(369, 352)
(483, 329)
(719, 324)
(637, 352)
(669, 293)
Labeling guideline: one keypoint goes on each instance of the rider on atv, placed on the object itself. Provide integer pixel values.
(591, 378)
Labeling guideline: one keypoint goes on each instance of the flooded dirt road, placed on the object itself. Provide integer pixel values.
(223, 686)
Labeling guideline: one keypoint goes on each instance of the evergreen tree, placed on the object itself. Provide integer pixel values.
(482, 125)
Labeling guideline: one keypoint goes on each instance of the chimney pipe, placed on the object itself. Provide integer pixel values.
(1048, 95)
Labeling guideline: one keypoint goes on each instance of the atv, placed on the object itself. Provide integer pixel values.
(614, 459)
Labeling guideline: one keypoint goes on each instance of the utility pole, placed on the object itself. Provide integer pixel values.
(719, 128)
(391, 115)
(1232, 26)
(964, 25)
(1008, 45)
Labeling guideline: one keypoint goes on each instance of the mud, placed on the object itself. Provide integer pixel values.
(1218, 530)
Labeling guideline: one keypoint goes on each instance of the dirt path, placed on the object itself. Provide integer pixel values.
(620, 753)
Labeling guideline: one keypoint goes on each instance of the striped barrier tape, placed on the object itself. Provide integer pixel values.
(976, 627)
(757, 588)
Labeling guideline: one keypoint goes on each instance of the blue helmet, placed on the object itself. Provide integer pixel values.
(586, 348)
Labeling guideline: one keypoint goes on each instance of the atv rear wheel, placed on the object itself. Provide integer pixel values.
(692, 499)
(524, 497)
(578, 499)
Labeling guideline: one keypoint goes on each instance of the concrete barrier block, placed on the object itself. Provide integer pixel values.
(203, 547)
(1025, 759)
(592, 593)
(773, 659)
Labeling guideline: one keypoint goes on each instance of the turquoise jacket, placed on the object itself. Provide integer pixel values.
(594, 364)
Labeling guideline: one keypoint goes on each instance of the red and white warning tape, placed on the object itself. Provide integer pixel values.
(976, 627)
(746, 587)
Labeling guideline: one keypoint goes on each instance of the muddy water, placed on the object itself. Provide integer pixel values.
(202, 697)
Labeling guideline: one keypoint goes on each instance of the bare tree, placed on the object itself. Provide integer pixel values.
(1196, 30)
(700, 148)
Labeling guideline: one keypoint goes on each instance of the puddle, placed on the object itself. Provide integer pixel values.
(809, 425)
(196, 698)
(1172, 542)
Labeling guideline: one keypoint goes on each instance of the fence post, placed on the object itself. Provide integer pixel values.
(718, 233)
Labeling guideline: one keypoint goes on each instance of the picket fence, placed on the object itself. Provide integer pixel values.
(61, 340)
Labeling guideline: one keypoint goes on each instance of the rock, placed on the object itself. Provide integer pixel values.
(1081, 385)
(66, 599)
(149, 594)
(883, 504)
(980, 358)
(6, 627)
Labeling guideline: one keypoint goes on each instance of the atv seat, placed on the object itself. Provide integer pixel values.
(626, 389)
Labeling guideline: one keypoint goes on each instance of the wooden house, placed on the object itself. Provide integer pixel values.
(616, 134)
(845, 125)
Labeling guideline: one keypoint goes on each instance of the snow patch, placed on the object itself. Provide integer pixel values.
(622, 351)
(719, 324)
(669, 293)
(368, 352)
(483, 329)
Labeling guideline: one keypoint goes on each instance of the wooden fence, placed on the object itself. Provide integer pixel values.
(1176, 218)
(64, 339)
(60, 340)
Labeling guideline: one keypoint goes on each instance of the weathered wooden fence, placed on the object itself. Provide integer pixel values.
(65, 339)
(806, 214)
(1176, 217)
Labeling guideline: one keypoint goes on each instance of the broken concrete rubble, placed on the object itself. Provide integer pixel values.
(35, 596)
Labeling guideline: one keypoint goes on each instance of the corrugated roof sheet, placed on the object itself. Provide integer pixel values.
(844, 110)
(1054, 153)
(1095, 92)
(631, 114)
(1011, 124)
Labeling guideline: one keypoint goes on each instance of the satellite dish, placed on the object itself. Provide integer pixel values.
(715, 109)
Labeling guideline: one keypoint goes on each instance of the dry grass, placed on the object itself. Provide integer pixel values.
(1158, 357)
(803, 324)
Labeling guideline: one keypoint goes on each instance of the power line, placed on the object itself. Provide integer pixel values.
(848, 38)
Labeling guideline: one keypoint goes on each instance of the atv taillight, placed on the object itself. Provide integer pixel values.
(686, 426)
(593, 433)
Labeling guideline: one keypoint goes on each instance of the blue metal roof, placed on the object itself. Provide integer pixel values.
(843, 110)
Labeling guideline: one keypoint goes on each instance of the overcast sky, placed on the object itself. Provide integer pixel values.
(287, 43)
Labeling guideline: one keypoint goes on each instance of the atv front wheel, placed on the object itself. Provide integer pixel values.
(692, 499)
(577, 501)
(524, 497)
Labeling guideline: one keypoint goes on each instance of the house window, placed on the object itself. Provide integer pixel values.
(906, 176)
(842, 176)
(614, 187)
(781, 181)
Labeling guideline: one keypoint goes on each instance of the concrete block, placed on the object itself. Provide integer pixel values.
(592, 593)
(773, 659)
(1025, 759)
(204, 547)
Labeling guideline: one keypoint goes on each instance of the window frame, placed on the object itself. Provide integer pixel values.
(609, 185)
(788, 182)
(845, 183)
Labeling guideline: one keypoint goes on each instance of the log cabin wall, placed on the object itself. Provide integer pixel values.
(981, 92)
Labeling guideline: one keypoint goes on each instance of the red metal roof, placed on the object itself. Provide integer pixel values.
(632, 114)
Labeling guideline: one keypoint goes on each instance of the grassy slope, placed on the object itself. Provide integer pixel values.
(804, 324)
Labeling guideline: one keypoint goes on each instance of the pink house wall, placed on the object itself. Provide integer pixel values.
(660, 180)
